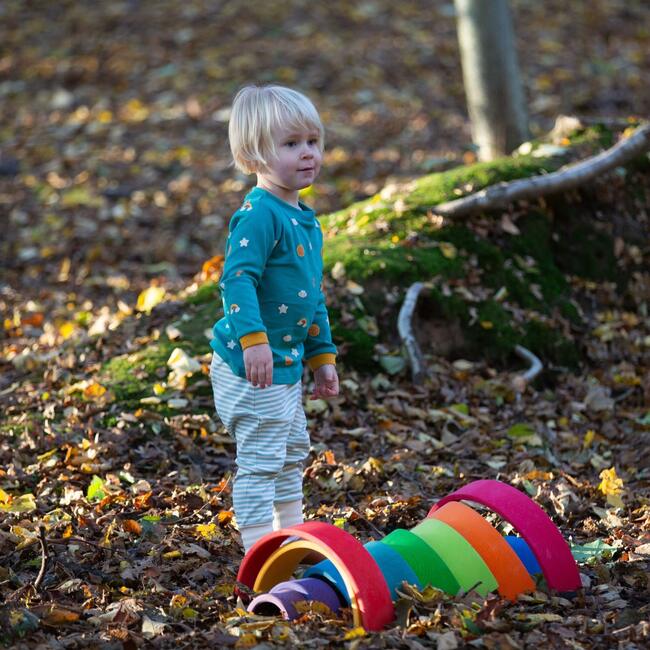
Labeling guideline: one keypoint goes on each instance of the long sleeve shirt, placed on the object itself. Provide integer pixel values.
(272, 288)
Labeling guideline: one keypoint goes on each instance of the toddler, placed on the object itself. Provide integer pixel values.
(274, 309)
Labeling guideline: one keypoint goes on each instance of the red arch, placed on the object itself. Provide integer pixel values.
(360, 571)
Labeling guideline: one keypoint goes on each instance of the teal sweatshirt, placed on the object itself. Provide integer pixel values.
(272, 288)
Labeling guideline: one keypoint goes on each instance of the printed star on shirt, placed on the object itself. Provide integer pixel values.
(294, 222)
(295, 352)
(243, 242)
(283, 309)
(231, 344)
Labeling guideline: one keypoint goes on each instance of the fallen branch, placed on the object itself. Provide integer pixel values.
(405, 329)
(566, 178)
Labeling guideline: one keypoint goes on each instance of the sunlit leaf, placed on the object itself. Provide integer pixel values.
(208, 531)
(22, 503)
(94, 390)
(612, 487)
(66, 330)
(95, 490)
(149, 298)
(354, 633)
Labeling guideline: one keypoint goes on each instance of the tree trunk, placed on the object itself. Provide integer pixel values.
(495, 97)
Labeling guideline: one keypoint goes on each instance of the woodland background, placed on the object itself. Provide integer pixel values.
(115, 185)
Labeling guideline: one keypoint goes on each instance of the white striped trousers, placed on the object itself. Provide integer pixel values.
(270, 429)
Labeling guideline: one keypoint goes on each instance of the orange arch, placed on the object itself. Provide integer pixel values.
(507, 568)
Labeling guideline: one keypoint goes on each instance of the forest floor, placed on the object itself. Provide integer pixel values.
(115, 177)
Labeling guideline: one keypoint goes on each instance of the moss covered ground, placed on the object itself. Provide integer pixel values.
(504, 278)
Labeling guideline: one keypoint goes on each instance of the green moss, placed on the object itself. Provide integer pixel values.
(585, 251)
(131, 376)
(194, 324)
(454, 183)
(208, 292)
(549, 344)
(362, 218)
(363, 261)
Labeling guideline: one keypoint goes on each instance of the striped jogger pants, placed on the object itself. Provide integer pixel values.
(270, 430)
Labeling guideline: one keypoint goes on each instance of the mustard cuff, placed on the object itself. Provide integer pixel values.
(253, 339)
(321, 360)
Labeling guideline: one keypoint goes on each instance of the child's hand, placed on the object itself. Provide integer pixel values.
(326, 382)
(258, 361)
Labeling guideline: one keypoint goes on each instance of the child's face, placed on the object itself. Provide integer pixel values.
(297, 164)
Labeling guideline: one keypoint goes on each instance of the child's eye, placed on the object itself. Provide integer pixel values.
(313, 141)
(291, 143)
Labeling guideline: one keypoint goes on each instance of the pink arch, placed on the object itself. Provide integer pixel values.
(543, 537)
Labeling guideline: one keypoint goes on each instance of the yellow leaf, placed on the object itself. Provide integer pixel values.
(589, 438)
(354, 633)
(105, 117)
(615, 500)
(487, 324)
(23, 503)
(67, 532)
(172, 555)
(208, 531)
(149, 298)
(158, 389)
(610, 483)
(67, 329)
(177, 601)
(189, 613)
(93, 390)
(26, 536)
(448, 250)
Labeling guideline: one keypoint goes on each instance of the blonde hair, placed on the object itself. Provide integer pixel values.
(257, 111)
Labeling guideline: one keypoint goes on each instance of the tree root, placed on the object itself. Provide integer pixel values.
(405, 329)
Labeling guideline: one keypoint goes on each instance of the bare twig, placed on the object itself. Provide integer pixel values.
(70, 540)
(566, 178)
(43, 542)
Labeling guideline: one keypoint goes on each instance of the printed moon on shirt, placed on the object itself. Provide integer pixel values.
(314, 330)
